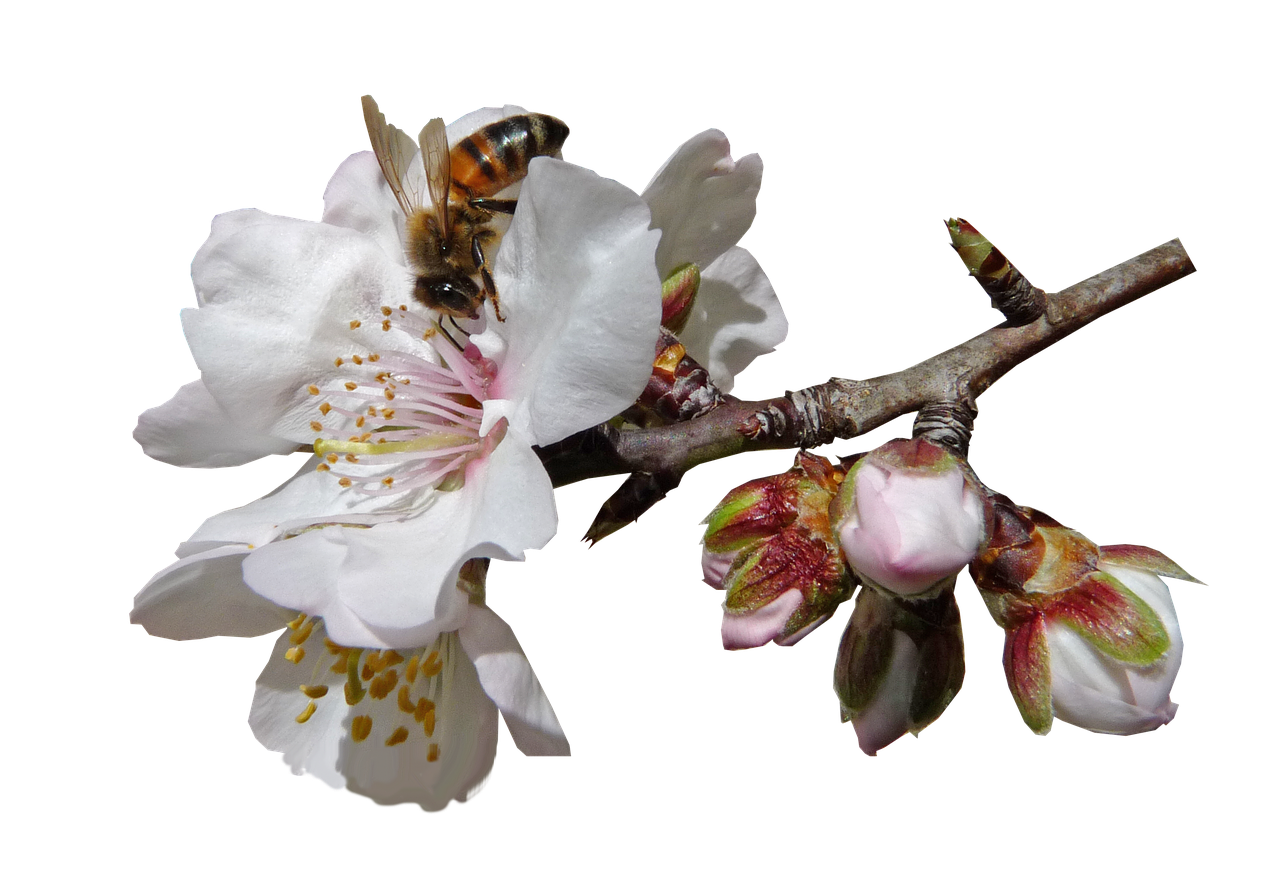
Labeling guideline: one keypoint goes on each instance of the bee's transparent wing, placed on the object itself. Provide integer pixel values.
(435, 159)
(394, 150)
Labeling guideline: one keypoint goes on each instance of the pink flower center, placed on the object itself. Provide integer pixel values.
(403, 420)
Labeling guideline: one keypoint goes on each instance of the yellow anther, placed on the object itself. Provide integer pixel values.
(389, 394)
(297, 622)
(388, 481)
(323, 467)
(354, 323)
(317, 426)
(295, 654)
(325, 408)
(398, 736)
(428, 334)
(402, 699)
(433, 753)
(351, 458)
(313, 691)
(367, 672)
(375, 661)
(386, 324)
(355, 439)
(404, 381)
(383, 684)
(357, 359)
(431, 665)
(364, 437)
(373, 412)
(360, 422)
(386, 311)
(306, 713)
(403, 308)
(388, 413)
(332, 647)
(337, 363)
(425, 707)
(344, 482)
(300, 635)
(429, 723)
(351, 386)
(392, 657)
(361, 727)
(331, 458)
(411, 670)
(313, 389)
(373, 357)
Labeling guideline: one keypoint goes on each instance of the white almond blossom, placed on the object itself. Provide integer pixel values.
(703, 201)
(414, 724)
(305, 336)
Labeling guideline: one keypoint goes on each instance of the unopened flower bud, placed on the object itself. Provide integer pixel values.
(769, 545)
(679, 291)
(909, 516)
(1091, 636)
(900, 664)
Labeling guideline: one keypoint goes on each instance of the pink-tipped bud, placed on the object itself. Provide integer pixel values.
(909, 516)
(1091, 636)
(769, 546)
(900, 664)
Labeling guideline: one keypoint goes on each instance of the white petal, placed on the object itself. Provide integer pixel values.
(702, 201)
(278, 297)
(192, 429)
(330, 572)
(736, 317)
(465, 731)
(204, 595)
(359, 197)
(508, 679)
(394, 584)
(582, 302)
(307, 498)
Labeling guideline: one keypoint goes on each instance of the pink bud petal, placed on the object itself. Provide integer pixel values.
(740, 631)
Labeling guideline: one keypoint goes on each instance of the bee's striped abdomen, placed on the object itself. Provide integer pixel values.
(498, 155)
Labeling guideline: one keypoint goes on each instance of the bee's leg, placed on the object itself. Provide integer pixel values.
(490, 290)
(506, 206)
(449, 337)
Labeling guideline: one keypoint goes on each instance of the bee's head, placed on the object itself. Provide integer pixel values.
(456, 295)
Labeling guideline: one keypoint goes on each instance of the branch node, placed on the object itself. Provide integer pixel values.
(947, 423)
(771, 422)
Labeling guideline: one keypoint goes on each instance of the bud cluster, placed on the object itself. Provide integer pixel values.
(1091, 634)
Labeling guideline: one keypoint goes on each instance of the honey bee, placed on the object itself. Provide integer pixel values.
(449, 237)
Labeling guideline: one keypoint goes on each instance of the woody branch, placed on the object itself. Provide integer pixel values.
(945, 386)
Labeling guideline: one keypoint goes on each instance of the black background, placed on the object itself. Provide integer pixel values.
(1096, 430)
